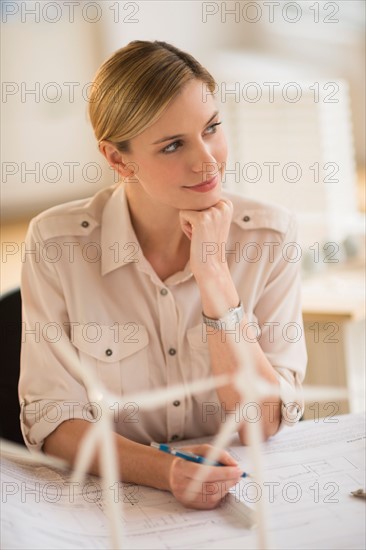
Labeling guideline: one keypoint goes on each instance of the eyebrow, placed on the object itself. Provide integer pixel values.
(182, 135)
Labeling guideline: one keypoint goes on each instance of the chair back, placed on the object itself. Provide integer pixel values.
(11, 334)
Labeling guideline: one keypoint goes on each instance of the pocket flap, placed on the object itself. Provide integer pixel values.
(109, 343)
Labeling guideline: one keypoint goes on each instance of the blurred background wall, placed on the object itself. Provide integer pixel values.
(51, 50)
(291, 88)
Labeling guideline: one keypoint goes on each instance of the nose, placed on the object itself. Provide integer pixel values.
(204, 161)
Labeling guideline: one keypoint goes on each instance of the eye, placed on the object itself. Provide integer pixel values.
(214, 127)
(172, 147)
(166, 150)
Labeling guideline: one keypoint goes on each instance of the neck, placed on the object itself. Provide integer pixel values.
(156, 225)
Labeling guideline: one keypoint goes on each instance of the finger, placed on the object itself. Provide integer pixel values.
(214, 492)
(223, 456)
(217, 490)
(224, 204)
(223, 201)
(189, 216)
(205, 495)
(209, 473)
(186, 228)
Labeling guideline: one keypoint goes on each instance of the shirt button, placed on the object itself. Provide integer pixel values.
(172, 351)
(176, 403)
(175, 437)
(163, 292)
(108, 352)
(85, 224)
(246, 218)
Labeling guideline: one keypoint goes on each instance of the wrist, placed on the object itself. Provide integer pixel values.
(164, 463)
(171, 472)
(142, 464)
(218, 295)
(232, 317)
(214, 271)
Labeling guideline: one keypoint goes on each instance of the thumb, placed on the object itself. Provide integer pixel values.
(186, 223)
(186, 228)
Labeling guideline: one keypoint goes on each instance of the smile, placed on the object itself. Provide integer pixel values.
(205, 186)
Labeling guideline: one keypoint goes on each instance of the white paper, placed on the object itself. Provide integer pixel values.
(310, 471)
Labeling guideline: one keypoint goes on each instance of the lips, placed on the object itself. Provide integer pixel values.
(205, 186)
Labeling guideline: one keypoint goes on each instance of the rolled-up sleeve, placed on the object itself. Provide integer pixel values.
(50, 390)
(279, 314)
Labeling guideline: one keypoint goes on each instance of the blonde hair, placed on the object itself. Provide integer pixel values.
(132, 88)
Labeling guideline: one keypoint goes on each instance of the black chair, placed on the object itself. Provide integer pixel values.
(11, 334)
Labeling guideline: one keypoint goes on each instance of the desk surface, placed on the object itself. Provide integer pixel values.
(310, 470)
(336, 294)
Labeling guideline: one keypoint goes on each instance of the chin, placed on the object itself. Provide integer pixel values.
(202, 203)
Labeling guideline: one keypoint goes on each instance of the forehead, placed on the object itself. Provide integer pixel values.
(193, 106)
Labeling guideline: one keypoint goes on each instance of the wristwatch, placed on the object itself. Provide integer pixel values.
(233, 316)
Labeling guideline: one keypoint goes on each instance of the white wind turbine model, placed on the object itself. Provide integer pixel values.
(99, 437)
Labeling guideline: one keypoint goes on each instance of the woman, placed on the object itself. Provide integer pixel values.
(153, 281)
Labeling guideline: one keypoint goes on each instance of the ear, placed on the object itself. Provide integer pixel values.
(115, 159)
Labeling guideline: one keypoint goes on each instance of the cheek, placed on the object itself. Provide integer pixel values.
(153, 173)
(167, 175)
(221, 149)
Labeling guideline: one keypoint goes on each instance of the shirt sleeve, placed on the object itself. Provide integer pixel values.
(279, 315)
(50, 390)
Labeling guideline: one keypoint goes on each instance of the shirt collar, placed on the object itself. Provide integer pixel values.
(118, 238)
(119, 243)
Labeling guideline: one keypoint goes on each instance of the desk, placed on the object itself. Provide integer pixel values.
(310, 470)
(334, 321)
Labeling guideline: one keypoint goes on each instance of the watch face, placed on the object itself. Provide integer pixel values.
(231, 318)
(234, 319)
(236, 316)
(229, 321)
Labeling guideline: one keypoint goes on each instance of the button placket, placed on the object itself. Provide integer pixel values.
(169, 336)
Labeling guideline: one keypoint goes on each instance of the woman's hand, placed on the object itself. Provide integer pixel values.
(218, 479)
(208, 231)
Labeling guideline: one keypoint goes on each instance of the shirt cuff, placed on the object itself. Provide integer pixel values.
(37, 425)
(292, 407)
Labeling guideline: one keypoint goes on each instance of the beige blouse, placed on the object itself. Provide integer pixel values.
(90, 298)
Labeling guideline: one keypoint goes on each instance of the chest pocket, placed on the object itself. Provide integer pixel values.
(117, 354)
(199, 354)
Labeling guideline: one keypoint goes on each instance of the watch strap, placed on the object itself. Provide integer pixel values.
(233, 316)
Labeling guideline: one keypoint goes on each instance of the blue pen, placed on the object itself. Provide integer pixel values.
(187, 455)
